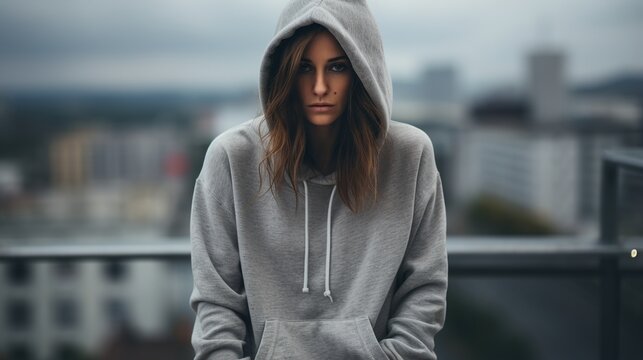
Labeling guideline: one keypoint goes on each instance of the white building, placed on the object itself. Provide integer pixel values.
(536, 171)
(551, 169)
(47, 307)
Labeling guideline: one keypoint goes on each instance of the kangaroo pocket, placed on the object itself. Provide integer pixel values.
(319, 340)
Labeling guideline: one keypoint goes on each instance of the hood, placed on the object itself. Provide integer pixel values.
(353, 25)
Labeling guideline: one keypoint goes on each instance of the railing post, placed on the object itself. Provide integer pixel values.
(610, 308)
(609, 202)
(609, 266)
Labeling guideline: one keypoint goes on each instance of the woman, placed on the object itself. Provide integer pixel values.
(358, 272)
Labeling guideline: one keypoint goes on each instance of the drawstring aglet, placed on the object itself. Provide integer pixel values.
(327, 293)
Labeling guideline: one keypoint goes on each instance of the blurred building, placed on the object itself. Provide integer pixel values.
(535, 169)
(103, 177)
(550, 168)
(618, 109)
(542, 150)
(436, 96)
(94, 156)
(440, 84)
(49, 309)
(547, 85)
(10, 179)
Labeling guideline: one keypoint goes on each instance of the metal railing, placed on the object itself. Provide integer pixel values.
(613, 162)
(596, 259)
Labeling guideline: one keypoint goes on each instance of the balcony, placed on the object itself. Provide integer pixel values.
(563, 297)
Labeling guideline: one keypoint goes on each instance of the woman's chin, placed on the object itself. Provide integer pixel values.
(322, 120)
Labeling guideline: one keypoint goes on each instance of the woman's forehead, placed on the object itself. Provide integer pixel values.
(323, 46)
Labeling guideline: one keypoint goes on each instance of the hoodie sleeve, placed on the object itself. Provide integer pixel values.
(218, 296)
(419, 303)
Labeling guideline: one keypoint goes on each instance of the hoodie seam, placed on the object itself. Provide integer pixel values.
(363, 341)
(273, 343)
(430, 190)
(425, 203)
(216, 199)
(423, 194)
(228, 173)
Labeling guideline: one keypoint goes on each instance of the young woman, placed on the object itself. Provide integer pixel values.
(360, 270)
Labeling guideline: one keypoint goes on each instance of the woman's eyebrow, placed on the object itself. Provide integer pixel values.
(329, 60)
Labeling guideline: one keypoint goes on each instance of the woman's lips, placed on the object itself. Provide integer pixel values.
(321, 109)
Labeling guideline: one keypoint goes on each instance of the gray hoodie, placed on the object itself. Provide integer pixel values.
(273, 280)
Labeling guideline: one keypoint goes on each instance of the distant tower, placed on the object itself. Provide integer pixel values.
(547, 85)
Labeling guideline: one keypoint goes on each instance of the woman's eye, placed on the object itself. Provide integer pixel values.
(304, 68)
(338, 67)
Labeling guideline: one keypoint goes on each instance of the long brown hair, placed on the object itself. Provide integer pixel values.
(360, 127)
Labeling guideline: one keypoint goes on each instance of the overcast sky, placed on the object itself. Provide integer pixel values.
(198, 44)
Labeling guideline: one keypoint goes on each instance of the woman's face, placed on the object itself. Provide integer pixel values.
(324, 77)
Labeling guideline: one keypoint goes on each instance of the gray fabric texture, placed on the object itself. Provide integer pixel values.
(388, 264)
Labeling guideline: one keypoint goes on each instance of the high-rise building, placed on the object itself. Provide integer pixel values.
(548, 97)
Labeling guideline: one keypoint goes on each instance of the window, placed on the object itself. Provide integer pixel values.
(19, 314)
(19, 352)
(66, 351)
(65, 269)
(19, 273)
(116, 312)
(65, 313)
(114, 270)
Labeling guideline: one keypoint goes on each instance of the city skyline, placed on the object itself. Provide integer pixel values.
(204, 45)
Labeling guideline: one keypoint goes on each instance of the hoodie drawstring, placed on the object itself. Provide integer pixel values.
(305, 289)
(328, 238)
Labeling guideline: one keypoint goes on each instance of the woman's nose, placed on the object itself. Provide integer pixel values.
(320, 85)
